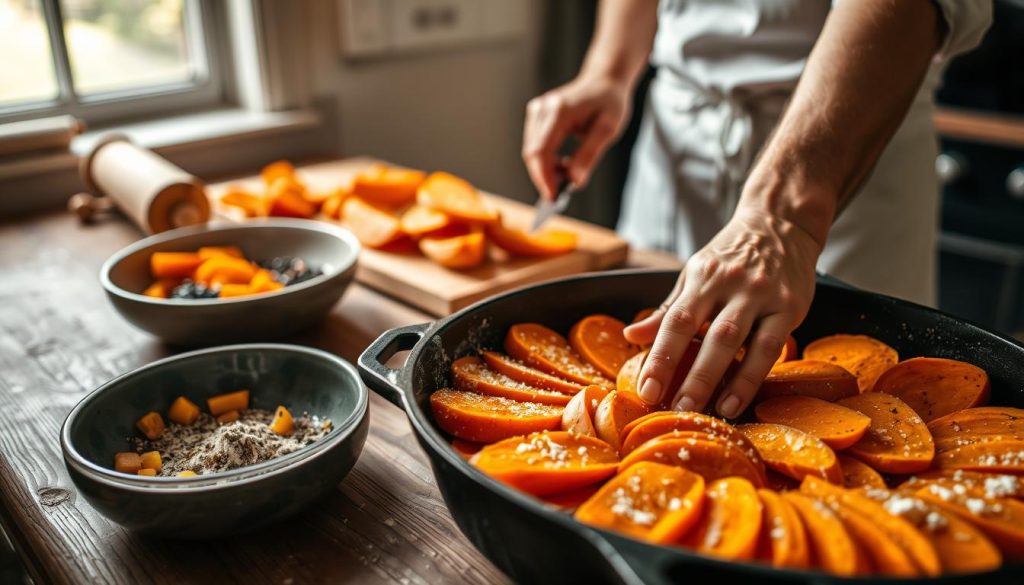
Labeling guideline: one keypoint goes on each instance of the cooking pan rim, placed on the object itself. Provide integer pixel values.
(427, 434)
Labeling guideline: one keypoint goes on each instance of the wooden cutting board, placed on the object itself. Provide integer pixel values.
(440, 291)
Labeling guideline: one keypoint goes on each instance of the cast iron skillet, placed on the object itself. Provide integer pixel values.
(535, 544)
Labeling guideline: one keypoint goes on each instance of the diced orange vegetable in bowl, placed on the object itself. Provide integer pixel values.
(151, 460)
(173, 264)
(151, 424)
(186, 473)
(183, 411)
(283, 424)
(162, 288)
(226, 269)
(127, 462)
(147, 472)
(207, 252)
(222, 403)
(236, 290)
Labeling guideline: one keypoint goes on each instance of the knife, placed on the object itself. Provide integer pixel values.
(548, 207)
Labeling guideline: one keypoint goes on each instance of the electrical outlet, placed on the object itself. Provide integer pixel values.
(430, 23)
(364, 27)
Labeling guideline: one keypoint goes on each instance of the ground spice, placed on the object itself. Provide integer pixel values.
(208, 447)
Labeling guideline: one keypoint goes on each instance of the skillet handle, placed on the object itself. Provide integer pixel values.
(380, 378)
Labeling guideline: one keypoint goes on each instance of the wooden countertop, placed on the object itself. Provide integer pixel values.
(60, 338)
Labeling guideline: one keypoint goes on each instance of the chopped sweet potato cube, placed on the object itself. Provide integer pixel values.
(151, 460)
(283, 423)
(226, 270)
(151, 424)
(230, 290)
(162, 288)
(222, 403)
(147, 472)
(173, 264)
(128, 462)
(183, 411)
(207, 252)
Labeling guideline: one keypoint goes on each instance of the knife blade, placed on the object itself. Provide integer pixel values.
(548, 207)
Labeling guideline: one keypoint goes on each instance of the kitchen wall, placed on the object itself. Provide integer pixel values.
(459, 109)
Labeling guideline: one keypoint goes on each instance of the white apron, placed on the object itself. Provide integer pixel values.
(725, 69)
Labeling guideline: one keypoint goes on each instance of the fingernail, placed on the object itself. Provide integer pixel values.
(685, 404)
(730, 406)
(650, 392)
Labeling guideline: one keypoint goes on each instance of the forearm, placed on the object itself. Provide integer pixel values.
(859, 82)
(622, 40)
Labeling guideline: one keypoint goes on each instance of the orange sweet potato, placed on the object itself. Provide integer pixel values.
(225, 270)
(548, 463)
(250, 204)
(813, 378)
(935, 387)
(127, 462)
(277, 170)
(374, 226)
(466, 449)
(650, 501)
(900, 530)
(288, 199)
(230, 401)
(539, 347)
(783, 541)
(471, 375)
(485, 419)
(614, 412)
(993, 456)
(884, 555)
(832, 549)
(183, 411)
(419, 221)
(545, 242)
(731, 522)
(599, 340)
(857, 474)
(151, 424)
(173, 264)
(837, 426)
(460, 251)
(207, 252)
(578, 416)
(788, 352)
(651, 426)
(331, 207)
(863, 356)
(793, 452)
(162, 288)
(995, 485)
(455, 197)
(388, 185)
(711, 459)
(520, 372)
(897, 440)
(977, 425)
(1001, 519)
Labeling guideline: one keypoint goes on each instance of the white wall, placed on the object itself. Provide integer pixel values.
(454, 109)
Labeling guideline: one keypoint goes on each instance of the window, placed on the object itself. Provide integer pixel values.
(105, 60)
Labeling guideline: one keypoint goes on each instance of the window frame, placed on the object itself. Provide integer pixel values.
(207, 36)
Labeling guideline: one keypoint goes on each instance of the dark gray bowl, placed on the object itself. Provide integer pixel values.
(303, 379)
(240, 319)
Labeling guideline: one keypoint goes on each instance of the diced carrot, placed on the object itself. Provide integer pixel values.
(652, 502)
(665, 422)
(277, 170)
(831, 546)
(226, 270)
(230, 289)
(252, 205)
(228, 417)
(162, 288)
(599, 340)
(485, 419)
(183, 411)
(151, 424)
(548, 462)
(207, 252)
(857, 474)
(545, 242)
(419, 220)
(466, 449)
(539, 347)
(522, 373)
(935, 387)
(992, 456)
(461, 251)
(128, 462)
(472, 375)
(615, 412)
(373, 226)
(837, 426)
(151, 460)
(283, 424)
(711, 459)
(731, 522)
(897, 440)
(977, 425)
(578, 416)
(1001, 519)
(173, 264)
(222, 403)
(813, 378)
(863, 356)
(455, 197)
(783, 541)
(793, 452)
(388, 185)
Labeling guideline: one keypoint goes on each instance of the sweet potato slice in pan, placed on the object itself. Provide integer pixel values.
(859, 474)
(1001, 519)
(472, 375)
(731, 522)
(812, 378)
(837, 426)
(598, 339)
(578, 416)
(539, 347)
(993, 456)
(977, 425)
(935, 387)
(615, 411)
(832, 549)
(485, 419)
(711, 459)
(793, 452)
(863, 356)
(783, 541)
(897, 441)
(520, 372)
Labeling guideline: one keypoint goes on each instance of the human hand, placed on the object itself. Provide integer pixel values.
(592, 108)
(754, 281)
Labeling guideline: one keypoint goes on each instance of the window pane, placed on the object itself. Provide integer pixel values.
(125, 44)
(26, 68)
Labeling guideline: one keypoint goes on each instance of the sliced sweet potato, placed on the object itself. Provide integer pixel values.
(977, 425)
(857, 474)
(599, 340)
(374, 226)
(711, 459)
(614, 412)
(539, 347)
(793, 452)
(225, 270)
(472, 375)
(388, 185)
(1001, 519)
(897, 441)
(174, 264)
(251, 205)
(650, 501)
(520, 372)
(466, 449)
(885, 556)
(731, 522)
(578, 416)
(783, 542)
(900, 530)
(651, 426)
(545, 242)
(832, 549)
(455, 197)
(288, 199)
(461, 252)
(813, 378)
(994, 485)
(837, 426)
(485, 419)
(548, 463)
(863, 356)
(419, 220)
(207, 252)
(331, 207)
(935, 387)
(992, 456)
(277, 170)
